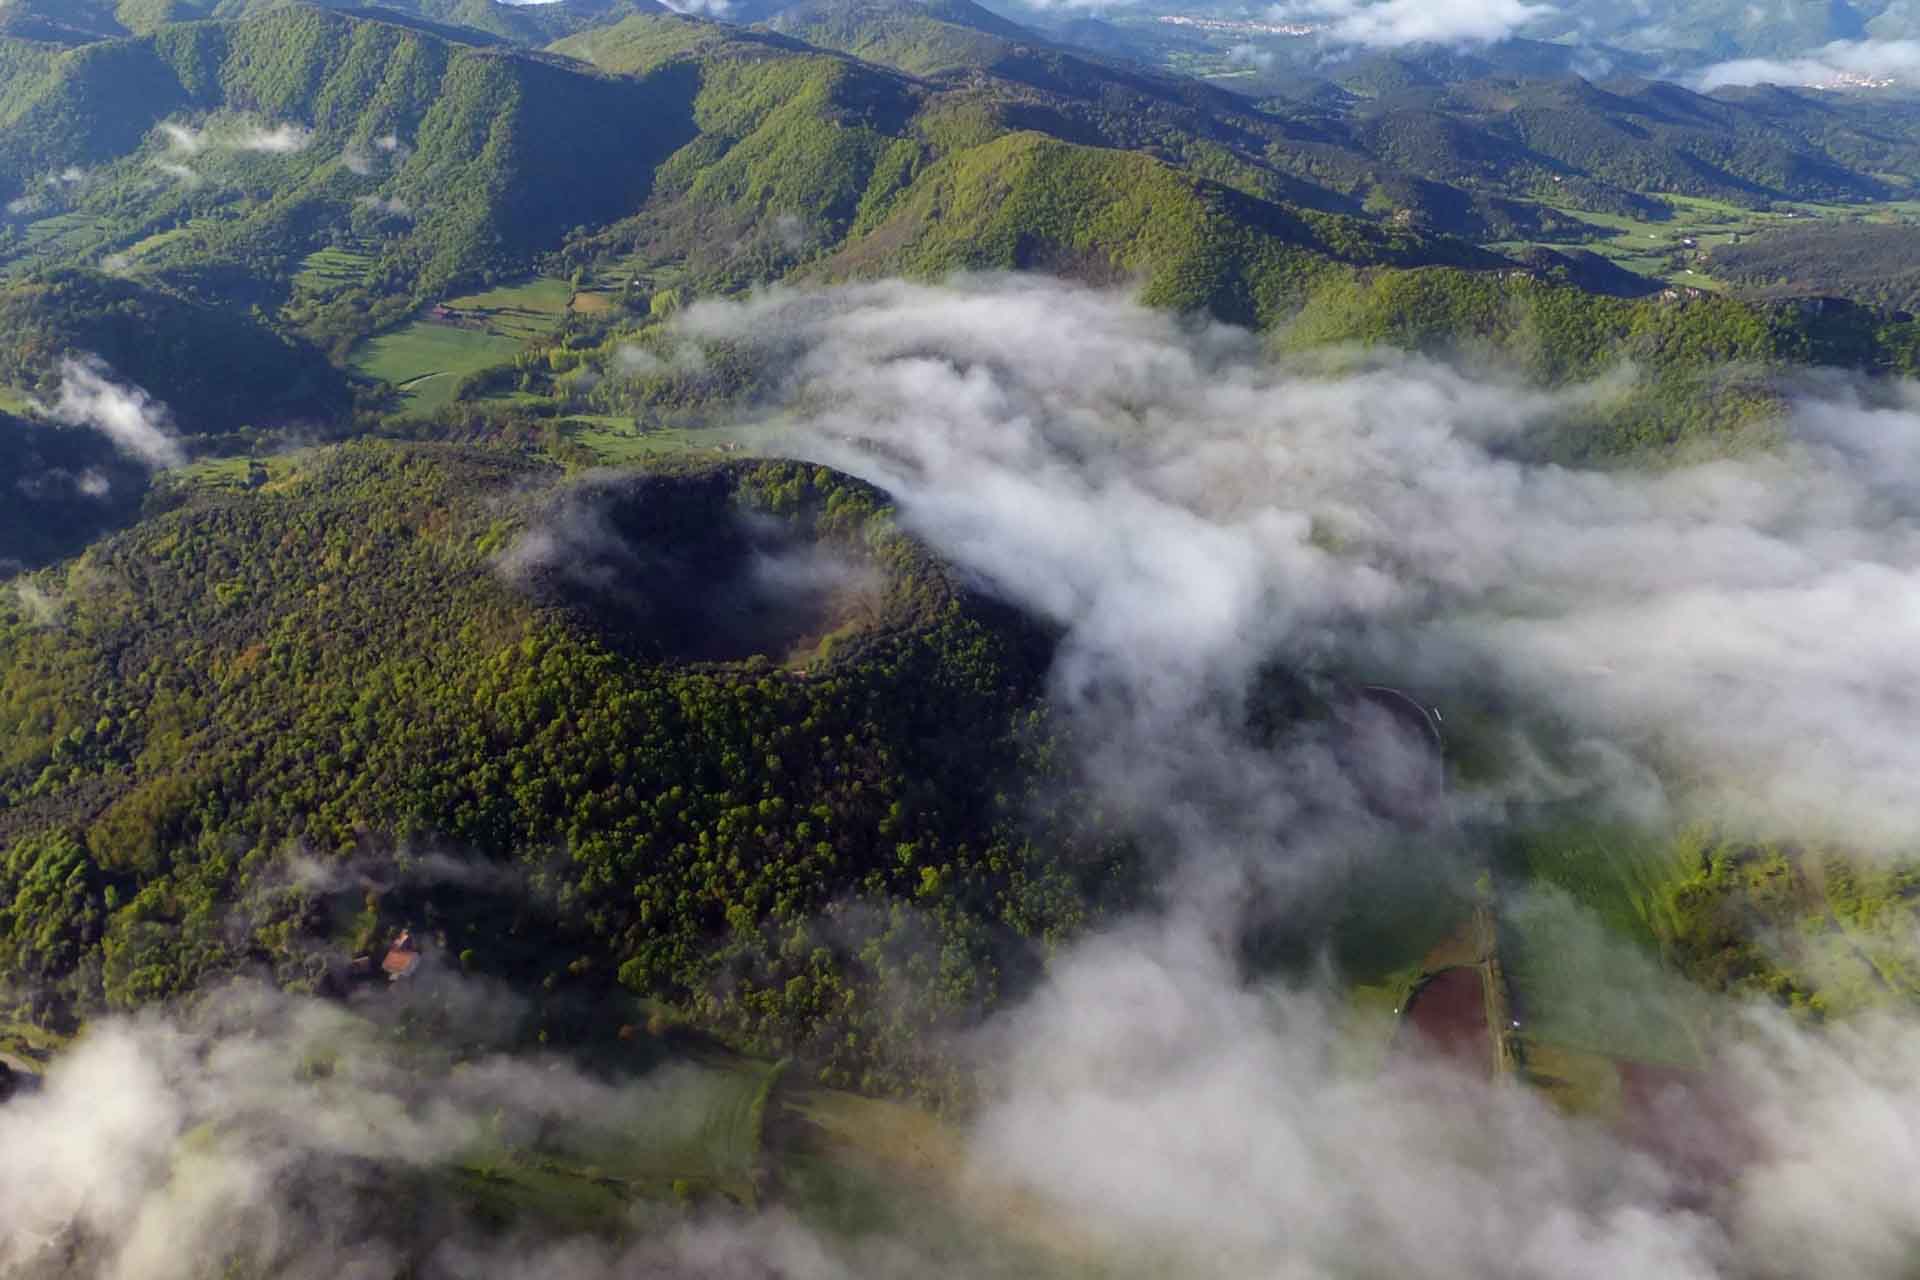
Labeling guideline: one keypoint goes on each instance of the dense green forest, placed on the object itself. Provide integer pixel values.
(1876, 264)
(822, 852)
(220, 371)
(69, 487)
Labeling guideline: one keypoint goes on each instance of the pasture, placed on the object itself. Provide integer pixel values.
(1576, 985)
(855, 1167)
(689, 1130)
(1677, 250)
(60, 236)
(426, 360)
(428, 356)
(616, 440)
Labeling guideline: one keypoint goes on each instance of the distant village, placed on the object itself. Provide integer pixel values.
(1239, 27)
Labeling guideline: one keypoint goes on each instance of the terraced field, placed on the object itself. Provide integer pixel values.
(330, 269)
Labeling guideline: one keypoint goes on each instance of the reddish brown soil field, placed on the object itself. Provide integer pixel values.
(1688, 1121)
(1448, 1018)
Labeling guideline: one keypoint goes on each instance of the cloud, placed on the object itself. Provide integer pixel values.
(387, 150)
(1192, 513)
(183, 138)
(181, 173)
(1389, 23)
(630, 361)
(39, 608)
(281, 140)
(139, 425)
(268, 1135)
(389, 206)
(1247, 55)
(55, 185)
(184, 142)
(1158, 1102)
(1148, 1108)
(1842, 64)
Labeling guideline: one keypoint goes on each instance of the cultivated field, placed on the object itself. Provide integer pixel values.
(427, 357)
(426, 360)
(1678, 250)
(689, 1130)
(1447, 1016)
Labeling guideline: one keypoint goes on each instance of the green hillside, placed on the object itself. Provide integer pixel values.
(918, 38)
(1028, 202)
(68, 487)
(217, 370)
(302, 124)
(336, 659)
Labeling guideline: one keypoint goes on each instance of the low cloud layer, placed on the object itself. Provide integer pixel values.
(1176, 1114)
(1391, 23)
(1842, 64)
(1149, 1112)
(138, 424)
(1190, 512)
(265, 1135)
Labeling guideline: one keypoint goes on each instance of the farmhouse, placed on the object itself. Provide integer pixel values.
(402, 958)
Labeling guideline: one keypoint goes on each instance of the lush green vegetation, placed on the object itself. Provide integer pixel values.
(1875, 263)
(332, 663)
(925, 39)
(218, 371)
(68, 487)
(441, 160)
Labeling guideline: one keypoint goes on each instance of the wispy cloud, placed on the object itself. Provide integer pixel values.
(1190, 511)
(1842, 64)
(138, 424)
(1390, 23)
(184, 143)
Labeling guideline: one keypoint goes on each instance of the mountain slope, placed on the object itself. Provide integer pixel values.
(265, 133)
(343, 659)
(918, 38)
(217, 370)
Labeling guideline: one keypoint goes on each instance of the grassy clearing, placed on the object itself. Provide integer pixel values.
(237, 473)
(1367, 1026)
(1585, 1083)
(1624, 877)
(859, 1166)
(1398, 909)
(15, 401)
(1678, 250)
(1577, 985)
(61, 236)
(214, 473)
(27, 1049)
(615, 440)
(427, 359)
(688, 1130)
(524, 311)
